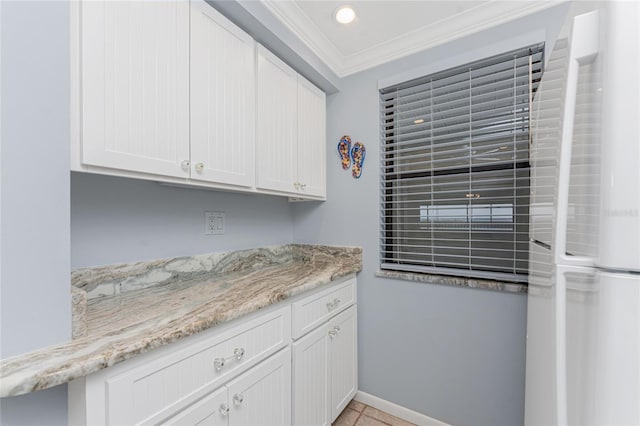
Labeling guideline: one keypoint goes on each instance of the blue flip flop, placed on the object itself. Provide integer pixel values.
(358, 153)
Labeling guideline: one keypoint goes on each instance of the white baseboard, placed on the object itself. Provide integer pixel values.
(397, 410)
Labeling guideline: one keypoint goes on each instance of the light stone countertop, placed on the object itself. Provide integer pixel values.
(201, 292)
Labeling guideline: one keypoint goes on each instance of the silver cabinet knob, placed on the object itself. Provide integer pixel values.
(224, 410)
(218, 363)
(333, 333)
(238, 353)
(303, 186)
(238, 398)
(336, 329)
(185, 165)
(199, 167)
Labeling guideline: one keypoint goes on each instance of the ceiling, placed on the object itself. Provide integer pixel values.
(385, 30)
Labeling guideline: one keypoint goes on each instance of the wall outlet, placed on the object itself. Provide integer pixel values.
(213, 223)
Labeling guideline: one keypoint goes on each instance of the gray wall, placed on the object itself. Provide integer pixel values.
(34, 193)
(455, 354)
(116, 220)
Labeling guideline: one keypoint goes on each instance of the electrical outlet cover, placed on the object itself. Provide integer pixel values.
(213, 223)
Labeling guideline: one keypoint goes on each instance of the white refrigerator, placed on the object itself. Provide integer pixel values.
(583, 318)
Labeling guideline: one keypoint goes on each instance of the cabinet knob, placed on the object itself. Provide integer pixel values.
(333, 333)
(224, 410)
(238, 398)
(218, 363)
(185, 165)
(296, 185)
(199, 167)
(238, 353)
(336, 329)
(303, 186)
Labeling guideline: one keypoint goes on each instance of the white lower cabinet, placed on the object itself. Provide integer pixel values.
(212, 410)
(325, 375)
(261, 396)
(237, 374)
(343, 360)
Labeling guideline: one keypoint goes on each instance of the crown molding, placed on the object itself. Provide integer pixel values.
(306, 30)
(484, 16)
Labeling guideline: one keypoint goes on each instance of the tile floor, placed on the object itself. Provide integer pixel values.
(358, 414)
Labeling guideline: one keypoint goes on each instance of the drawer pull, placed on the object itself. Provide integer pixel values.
(238, 353)
(332, 305)
(238, 398)
(224, 410)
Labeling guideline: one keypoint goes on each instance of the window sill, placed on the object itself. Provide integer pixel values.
(454, 281)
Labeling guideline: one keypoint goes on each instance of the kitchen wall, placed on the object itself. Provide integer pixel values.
(34, 194)
(115, 220)
(455, 354)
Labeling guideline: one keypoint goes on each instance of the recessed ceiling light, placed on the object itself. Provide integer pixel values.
(418, 121)
(345, 15)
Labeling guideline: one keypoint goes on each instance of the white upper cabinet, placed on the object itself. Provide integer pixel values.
(135, 85)
(290, 130)
(222, 99)
(277, 148)
(311, 139)
(173, 91)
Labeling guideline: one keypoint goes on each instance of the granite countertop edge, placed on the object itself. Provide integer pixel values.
(62, 363)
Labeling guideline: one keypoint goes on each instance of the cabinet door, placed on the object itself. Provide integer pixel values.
(343, 360)
(311, 139)
(222, 99)
(209, 411)
(311, 379)
(262, 395)
(276, 144)
(135, 85)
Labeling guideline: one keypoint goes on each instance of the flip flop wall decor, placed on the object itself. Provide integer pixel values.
(344, 148)
(358, 153)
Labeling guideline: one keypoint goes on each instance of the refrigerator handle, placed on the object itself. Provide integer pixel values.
(583, 49)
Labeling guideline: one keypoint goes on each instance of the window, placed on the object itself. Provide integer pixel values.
(455, 169)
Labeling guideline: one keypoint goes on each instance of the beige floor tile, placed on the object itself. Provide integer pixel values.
(369, 421)
(385, 417)
(348, 417)
(355, 405)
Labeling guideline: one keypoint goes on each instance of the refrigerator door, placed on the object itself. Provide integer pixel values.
(615, 372)
(620, 213)
(583, 164)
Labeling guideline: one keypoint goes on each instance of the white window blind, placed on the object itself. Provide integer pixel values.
(455, 169)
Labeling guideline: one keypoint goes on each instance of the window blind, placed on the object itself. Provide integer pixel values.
(455, 169)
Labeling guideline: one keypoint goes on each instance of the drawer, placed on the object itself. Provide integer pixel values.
(150, 392)
(312, 311)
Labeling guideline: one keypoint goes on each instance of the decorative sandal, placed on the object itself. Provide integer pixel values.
(344, 147)
(358, 153)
